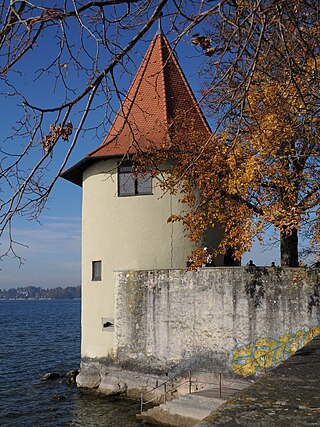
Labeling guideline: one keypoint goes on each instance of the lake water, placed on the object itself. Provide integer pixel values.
(37, 337)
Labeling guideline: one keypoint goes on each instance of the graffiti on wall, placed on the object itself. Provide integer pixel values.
(265, 352)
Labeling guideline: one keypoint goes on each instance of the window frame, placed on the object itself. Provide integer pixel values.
(95, 277)
(137, 178)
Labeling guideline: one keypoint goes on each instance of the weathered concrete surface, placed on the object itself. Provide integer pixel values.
(288, 395)
(111, 380)
(158, 416)
(234, 320)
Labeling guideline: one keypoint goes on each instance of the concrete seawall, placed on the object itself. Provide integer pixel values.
(233, 320)
(238, 321)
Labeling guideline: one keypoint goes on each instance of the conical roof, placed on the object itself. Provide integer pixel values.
(159, 97)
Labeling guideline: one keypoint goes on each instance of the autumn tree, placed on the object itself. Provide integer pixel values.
(271, 115)
(261, 165)
(284, 141)
(60, 65)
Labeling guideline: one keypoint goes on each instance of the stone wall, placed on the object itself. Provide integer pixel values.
(236, 320)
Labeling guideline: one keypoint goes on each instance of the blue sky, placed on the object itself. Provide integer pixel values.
(52, 257)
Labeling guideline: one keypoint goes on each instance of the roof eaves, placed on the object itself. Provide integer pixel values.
(75, 172)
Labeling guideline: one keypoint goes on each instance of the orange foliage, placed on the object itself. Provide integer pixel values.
(263, 167)
(55, 133)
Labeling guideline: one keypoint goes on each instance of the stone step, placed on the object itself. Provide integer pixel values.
(189, 409)
(192, 406)
(159, 416)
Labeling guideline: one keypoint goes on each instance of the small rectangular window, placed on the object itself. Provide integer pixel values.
(132, 183)
(96, 270)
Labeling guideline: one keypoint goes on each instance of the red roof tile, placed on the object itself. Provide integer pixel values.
(158, 96)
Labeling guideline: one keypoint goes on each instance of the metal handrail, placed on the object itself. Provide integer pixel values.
(164, 384)
(165, 391)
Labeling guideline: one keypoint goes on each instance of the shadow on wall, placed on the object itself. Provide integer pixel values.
(265, 352)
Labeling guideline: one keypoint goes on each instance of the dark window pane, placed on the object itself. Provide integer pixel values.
(144, 184)
(126, 184)
(96, 270)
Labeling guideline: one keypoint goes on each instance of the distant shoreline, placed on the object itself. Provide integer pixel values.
(38, 293)
(39, 299)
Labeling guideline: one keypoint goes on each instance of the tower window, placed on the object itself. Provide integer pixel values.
(132, 183)
(96, 270)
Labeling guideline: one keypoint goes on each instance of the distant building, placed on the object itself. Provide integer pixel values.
(124, 214)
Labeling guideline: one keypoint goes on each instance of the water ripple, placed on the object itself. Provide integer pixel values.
(37, 337)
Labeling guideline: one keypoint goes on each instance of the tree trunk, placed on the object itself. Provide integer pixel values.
(228, 260)
(289, 248)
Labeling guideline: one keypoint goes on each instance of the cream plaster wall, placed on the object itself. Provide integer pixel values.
(125, 233)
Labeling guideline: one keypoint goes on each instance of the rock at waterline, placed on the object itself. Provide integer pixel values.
(71, 376)
(50, 376)
(58, 397)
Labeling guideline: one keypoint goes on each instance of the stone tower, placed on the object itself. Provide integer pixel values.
(124, 214)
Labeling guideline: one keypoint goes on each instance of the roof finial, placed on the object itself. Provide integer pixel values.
(159, 31)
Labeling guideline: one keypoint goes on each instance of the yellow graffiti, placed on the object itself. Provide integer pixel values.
(265, 352)
(243, 360)
(296, 342)
(281, 351)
